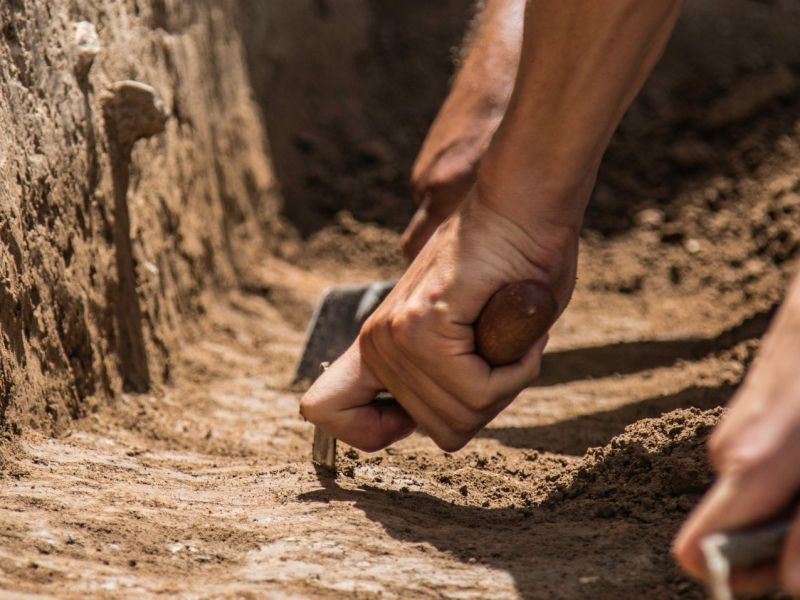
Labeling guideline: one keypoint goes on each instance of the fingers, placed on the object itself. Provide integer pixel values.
(437, 200)
(757, 580)
(340, 402)
(511, 379)
(450, 404)
(448, 423)
(758, 481)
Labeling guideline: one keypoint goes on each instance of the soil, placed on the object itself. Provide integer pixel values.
(203, 486)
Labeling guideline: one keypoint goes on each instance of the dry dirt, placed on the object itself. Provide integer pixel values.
(203, 488)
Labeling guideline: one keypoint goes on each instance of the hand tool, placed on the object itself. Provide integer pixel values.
(513, 319)
(742, 549)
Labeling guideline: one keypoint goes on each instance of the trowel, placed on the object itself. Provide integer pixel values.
(513, 319)
(333, 327)
(746, 548)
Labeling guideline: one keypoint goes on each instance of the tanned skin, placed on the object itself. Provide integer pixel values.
(502, 184)
(447, 164)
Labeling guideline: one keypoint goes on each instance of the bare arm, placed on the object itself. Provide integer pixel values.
(446, 166)
(582, 63)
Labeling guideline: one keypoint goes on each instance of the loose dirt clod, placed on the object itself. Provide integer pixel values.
(86, 46)
(133, 111)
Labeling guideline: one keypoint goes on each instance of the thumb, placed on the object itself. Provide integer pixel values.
(341, 403)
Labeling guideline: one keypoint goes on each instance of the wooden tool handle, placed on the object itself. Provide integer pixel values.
(516, 316)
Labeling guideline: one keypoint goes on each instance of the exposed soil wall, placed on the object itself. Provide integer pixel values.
(348, 89)
(104, 250)
(106, 247)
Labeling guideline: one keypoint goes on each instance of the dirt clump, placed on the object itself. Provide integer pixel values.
(655, 467)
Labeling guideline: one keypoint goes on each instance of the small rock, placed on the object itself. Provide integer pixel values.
(85, 46)
(781, 184)
(151, 267)
(649, 217)
(692, 246)
(175, 548)
(132, 111)
(754, 267)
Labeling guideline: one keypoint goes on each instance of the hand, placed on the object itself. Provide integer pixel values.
(755, 452)
(419, 344)
(446, 167)
(438, 189)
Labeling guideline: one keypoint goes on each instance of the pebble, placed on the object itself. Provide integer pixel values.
(135, 110)
(692, 246)
(649, 217)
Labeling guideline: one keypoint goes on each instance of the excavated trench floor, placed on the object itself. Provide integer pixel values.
(205, 489)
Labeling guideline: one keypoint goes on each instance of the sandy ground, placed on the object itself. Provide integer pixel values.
(205, 488)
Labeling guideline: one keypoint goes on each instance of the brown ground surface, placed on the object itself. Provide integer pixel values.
(204, 488)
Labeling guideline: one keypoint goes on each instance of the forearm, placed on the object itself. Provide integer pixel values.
(478, 97)
(582, 63)
(490, 57)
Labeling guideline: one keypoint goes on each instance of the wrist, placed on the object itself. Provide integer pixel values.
(547, 239)
(535, 190)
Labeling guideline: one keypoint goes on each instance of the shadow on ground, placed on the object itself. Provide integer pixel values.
(631, 357)
(576, 436)
(615, 519)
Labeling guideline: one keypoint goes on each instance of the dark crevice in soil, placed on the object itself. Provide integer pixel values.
(630, 357)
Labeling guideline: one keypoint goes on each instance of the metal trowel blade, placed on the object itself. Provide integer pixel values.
(334, 326)
(336, 322)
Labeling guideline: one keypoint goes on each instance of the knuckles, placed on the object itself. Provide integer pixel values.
(460, 430)
(309, 409)
(478, 402)
(370, 444)
(400, 328)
